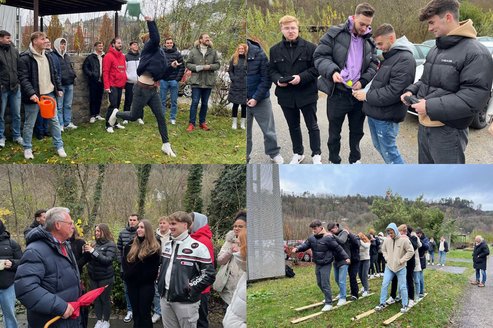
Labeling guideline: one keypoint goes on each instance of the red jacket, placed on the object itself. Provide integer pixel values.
(114, 69)
(204, 235)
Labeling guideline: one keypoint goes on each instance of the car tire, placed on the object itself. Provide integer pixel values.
(480, 120)
(187, 90)
(306, 258)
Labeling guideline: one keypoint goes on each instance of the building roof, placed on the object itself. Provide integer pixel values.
(60, 7)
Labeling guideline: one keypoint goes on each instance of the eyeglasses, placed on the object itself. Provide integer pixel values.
(68, 222)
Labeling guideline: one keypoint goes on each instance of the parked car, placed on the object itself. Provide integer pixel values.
(300, 256)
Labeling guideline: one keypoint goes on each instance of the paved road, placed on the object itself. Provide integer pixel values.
(479, 149)
(477, 303)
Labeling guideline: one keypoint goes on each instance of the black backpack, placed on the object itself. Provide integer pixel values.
(289, 272)
(354, 243)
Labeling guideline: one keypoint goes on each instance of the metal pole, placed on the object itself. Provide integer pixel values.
(116, 24)
(41, 24)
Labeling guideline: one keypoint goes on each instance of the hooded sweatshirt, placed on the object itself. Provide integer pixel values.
(201, 232)
(67, 73)
(163, 238)
(44, 76)
(132, 59)
(397, 251)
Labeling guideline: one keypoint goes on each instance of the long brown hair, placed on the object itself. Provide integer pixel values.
(105, 232)
(145, 248)
(242, 237)
(236, 55)
(363, 237)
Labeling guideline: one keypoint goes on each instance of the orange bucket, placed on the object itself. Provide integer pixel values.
(47, 107)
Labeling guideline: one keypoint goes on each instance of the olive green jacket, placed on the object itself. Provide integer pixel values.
(203, 79)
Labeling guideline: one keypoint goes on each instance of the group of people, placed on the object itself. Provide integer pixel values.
(403, 253)
(167, 273)
(455, 85)
(146, 76)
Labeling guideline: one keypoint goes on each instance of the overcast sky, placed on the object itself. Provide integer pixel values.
(471, 182)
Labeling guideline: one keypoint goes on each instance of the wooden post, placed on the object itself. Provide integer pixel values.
(116, 24)
(36, 14)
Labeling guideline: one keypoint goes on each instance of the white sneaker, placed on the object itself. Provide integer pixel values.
(391, 300)
(337, 297)
(317, 159)
(341, 302)
(234, 125)
(119, 126)
(19, 140)
(106, 324)
(99, 323)
(166, 148)
(372, 276)
(28, 154)
(365, 293)
(326, 308)
(297, 159)
(110, 129)
(61, 152)
(277, 159)
(2, 142)
(410, 304)
(243, 123)
(357, 162)
(92, 120)
(61, 128)
(128, 317)
(140, 121)
(125, 122)
(173, 122)
(99, 118)
(112, 119)
(155, 318)
(404, 309)
(71, 126)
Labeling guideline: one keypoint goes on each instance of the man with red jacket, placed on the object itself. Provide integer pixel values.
(201, 232)
(114, 78)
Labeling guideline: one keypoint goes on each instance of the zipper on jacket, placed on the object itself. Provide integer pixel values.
(172, 269)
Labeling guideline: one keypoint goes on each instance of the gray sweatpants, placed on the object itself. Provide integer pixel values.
(441, 145)
(179, 315)
(262, 113)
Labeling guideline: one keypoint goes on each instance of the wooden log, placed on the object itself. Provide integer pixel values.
(363, 315)
(394, 317)
(316, 314)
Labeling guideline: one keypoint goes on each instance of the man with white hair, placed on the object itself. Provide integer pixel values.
(480, 258)
(47, 278)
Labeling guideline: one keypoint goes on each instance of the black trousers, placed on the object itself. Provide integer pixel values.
(353, 273)
(115, 97)
(235, 110)
(141, 297)
(203, 322)
(380, 263)
(102, 304)
(129, 96)
(292, 115)
(96, 90)
(340, 105)
(409, 280)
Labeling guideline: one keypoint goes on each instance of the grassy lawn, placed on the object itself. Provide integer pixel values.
(90, 144)
(459, 254)
(271, 303)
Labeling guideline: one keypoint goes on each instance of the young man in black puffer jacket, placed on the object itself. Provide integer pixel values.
(325, 249)
(171, 82)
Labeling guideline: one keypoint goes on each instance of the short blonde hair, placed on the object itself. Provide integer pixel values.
(288, 19)
(144, 37)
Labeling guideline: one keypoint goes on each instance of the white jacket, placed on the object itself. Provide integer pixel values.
(236, 313)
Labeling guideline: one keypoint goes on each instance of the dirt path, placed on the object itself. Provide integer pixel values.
(477, 304)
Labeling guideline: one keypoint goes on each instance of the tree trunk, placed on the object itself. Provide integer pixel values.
(96, 198)
(143, 173)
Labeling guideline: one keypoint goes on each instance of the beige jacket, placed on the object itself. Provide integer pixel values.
(229, 274)
(397, 251)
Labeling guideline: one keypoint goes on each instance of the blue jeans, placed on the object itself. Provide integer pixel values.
(418, 279)
(31, 113)
(442, 256)
(127, 299)
(388, 275)
(383, 136)
(7, 303)
(157, 299)
(421, 283)
(65, 105)
(340, 275)
(432, 257)
(482, 272)
(14, 100)
(202, 95)
(172, 86)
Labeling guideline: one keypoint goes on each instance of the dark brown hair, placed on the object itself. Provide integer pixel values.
(365, 9)
(440, 8)
(384, 29)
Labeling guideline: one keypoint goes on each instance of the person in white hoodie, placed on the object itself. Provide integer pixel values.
(132, 58)
(382, 104)
(417, 269)
(67, 76)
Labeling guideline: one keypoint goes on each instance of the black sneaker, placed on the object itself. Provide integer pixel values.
(380, 307)
(353, 298)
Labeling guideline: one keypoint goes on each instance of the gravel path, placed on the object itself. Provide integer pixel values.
(477, 304)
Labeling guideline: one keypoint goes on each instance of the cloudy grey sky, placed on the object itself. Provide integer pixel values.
(472, 182)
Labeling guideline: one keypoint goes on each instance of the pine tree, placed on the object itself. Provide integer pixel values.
(193, 197)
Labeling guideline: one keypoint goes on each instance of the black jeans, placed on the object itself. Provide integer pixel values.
(96, 90)
(292, 116)
(338, 106)
(442, 145)
(115, 97)
(146, 96)
(129, 96)
(353, 273)
(235, 110)
(102, 304)
(141, 297)
(381, 263)
(203, 322)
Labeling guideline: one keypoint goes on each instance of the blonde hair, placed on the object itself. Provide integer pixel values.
(163, 218)
(147, 247)
(363, 237)
(288, 19)
(144, 37)
(242, 238)
(236, 55)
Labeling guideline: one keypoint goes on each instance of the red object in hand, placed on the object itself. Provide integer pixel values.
(85, 300)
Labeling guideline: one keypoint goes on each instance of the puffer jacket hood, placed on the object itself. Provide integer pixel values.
(258, 78)
(402, 43)
(56, 45)
(199, 221)
(2, 227)
(39, 233)
(393, 226)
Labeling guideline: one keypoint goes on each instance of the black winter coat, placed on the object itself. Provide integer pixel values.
(237, 74)
(140, 272)
(125, 237)
(383, 100)
(46, 280)
(9, 57)
(294, 58)
(152, 58)
(258, 79)
(28, 76)
(425, 245)
(31, 227)
(174, 73)
(456, 80)
(342, 238)
(9, 250)
(100, 265)
(91, 68)
(480, 255)
(331, 56)
(67, 70)
(374, 248)
(324, 248)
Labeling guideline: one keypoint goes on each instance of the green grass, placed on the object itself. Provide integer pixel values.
(90, 144)
(458, 253)
(271, 303)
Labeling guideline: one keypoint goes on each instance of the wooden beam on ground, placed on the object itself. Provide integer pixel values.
(316, 314)
(363, 315)
(309, 306)
(394, 317)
